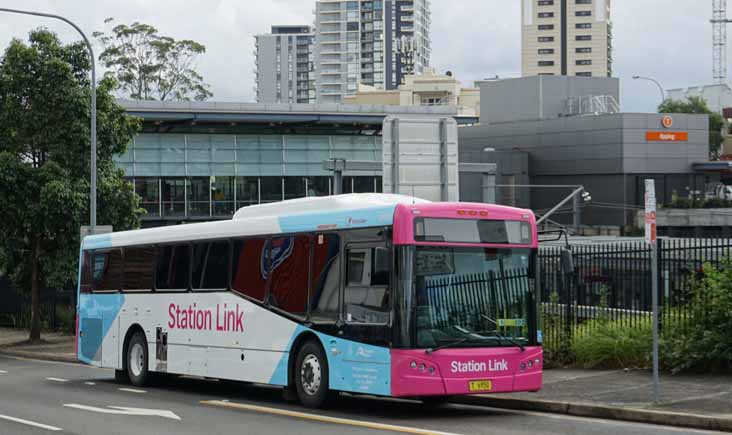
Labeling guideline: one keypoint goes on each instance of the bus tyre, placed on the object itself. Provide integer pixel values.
(137, 362)
(311, 375)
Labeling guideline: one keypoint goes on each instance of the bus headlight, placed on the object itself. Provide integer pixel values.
(413, 364)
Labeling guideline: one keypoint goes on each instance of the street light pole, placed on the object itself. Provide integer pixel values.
(93, 194)
(660, 88)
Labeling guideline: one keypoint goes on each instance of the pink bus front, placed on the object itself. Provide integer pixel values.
(466, 308)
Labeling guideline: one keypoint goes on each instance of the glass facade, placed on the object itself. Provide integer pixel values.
(204, 175)
(220, 197)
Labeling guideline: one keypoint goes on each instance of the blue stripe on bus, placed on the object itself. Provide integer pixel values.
(97, 314)
(100, 241)
(352, 366)
(370, 217)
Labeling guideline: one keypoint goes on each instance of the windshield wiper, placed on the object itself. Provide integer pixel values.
(501, 336)
(446, 345)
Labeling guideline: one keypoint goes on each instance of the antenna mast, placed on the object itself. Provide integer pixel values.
(719, 44)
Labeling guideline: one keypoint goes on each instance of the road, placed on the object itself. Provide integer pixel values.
(38, 397)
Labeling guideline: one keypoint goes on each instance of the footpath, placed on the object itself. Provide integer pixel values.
(692, 401)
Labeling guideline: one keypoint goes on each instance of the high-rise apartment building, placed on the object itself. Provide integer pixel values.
(566, 37)
(284, 65)
(373, 42)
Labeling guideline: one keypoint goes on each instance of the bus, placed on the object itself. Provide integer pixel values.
(376, 294)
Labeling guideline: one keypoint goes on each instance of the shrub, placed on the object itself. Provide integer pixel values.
(609, 344)
(704, 341)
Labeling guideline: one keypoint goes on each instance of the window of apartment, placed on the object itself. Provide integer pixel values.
(583, 14)
(546, 14)
(584, 62)
(583, 2)
(546, 74)
(546, 63)
(584, 74)
(352, 27)
(546, 51)
(546, 2)
(583, 50)
(352, 6)
(546, 39)
(583, 26)
(546, 26)
(583, 38)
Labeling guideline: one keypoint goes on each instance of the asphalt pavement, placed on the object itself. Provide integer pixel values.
(39, 397)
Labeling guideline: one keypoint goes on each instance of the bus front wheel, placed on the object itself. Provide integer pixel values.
(311, 375)
(137, 360)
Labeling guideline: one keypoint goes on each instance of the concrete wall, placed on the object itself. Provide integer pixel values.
(538, 97)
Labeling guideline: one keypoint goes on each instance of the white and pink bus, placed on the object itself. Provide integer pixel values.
(376, 294)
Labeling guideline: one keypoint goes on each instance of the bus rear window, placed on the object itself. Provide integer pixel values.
(472, 231)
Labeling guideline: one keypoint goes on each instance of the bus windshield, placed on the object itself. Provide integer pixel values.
(473, 297)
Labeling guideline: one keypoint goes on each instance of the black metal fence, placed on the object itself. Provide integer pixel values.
(613, 281)
(58, 308)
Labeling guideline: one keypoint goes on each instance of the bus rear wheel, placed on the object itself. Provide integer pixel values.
(137, 359)
(311, 375)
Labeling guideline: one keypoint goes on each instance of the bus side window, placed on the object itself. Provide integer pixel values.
(249, 268)
(107, 270)
(211, 265)
(85, 286)
(173, 267)
(325, 284)
(290, 267)
(367, 288)
(139, 268)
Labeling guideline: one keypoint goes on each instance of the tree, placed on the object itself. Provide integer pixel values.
(149, 66)
(699, 106)
(44, 162)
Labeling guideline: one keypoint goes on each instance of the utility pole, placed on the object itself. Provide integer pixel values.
(93, 193)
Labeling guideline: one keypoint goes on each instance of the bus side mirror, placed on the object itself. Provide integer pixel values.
(567, 262)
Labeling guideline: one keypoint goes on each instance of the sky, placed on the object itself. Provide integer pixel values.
(669, 40)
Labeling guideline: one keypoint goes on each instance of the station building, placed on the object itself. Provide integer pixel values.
(203, 161)
(549, 135)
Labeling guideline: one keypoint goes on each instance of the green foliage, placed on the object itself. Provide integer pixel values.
(697, 201)
(44, 162)
(703, 342)
(698, 105)
(149, 66)
(605, 343)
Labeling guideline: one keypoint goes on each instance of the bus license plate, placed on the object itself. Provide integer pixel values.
(480, 385)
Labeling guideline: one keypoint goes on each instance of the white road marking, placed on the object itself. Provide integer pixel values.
(132, 390)
(122, 410)
(89, 383)
(2, 372)
(325, 419)
(57, 379)
(30, 423)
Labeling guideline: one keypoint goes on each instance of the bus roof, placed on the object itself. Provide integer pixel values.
(358, 210)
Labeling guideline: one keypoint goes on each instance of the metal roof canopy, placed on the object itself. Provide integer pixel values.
(715, 166)
(212, 112)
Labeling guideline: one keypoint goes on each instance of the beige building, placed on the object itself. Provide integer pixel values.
(566, 37)
(428, 89)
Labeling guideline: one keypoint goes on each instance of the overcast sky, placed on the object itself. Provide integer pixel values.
(670, 40)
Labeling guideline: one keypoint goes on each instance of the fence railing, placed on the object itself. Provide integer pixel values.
(58, 309)
(613, 281)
